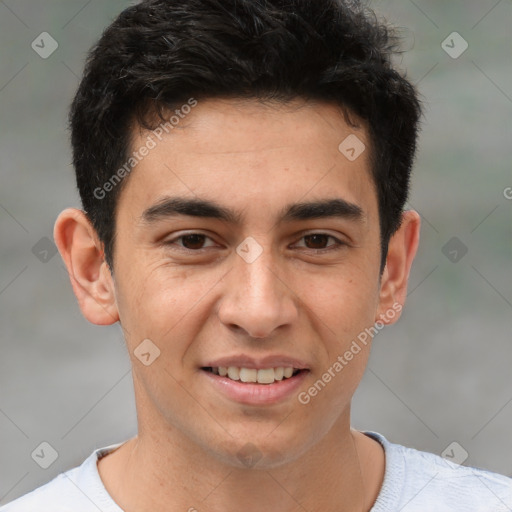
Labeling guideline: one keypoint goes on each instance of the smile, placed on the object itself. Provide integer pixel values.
(253, 375)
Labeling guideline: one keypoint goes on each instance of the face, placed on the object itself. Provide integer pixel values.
(247, 239)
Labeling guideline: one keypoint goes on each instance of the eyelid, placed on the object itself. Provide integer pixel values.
(183, 235)
(337, 245)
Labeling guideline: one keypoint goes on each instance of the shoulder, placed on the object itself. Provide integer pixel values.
(55, 496)
(77, 490)
(416, 481)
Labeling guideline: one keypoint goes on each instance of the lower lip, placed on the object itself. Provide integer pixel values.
(256, 394)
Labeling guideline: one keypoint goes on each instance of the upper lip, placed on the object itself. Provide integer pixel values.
(245, 361)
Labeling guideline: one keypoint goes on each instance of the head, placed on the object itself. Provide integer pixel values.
(158, 55)
(229, 119)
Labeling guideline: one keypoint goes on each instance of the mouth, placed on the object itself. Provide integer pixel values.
(253, 375)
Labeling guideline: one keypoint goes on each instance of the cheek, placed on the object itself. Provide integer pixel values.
(159, 302)
(344, 304)
(348, 310)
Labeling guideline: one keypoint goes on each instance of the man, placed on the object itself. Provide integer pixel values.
(216, 143)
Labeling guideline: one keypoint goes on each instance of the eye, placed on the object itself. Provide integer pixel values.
(191, 241)
(318, 241)
(195, 242)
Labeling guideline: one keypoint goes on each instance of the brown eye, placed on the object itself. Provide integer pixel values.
(192, 242)
(317, 241)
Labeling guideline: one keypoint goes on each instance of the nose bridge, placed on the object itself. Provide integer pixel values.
(255, 298)
(259, 277)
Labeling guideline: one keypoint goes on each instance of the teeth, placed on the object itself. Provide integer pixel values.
(248, 375)
(288, 372)
(233, 373)
(266, 376)
(279, 373)
(263, 376)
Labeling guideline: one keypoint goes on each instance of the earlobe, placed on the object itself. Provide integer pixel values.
(90, 277)
(401, 252)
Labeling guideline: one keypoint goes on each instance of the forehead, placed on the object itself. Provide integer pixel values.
(252, 155)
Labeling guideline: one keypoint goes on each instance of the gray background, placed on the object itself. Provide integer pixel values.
(442, 374)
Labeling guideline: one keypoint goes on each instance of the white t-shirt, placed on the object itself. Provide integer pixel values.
(414, 481)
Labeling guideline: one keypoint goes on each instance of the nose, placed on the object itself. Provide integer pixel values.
(257, 299)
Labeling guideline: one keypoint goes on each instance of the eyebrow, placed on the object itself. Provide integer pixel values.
(170, 207)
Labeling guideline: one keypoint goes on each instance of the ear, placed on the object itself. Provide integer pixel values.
(90, 276)
(401, 251)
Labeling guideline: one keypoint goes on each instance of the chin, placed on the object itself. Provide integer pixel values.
(260, 451)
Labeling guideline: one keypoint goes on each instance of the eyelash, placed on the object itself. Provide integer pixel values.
(334, 247)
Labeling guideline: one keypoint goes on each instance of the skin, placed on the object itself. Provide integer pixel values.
(292, 300)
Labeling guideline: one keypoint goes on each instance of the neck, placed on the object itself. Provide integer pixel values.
(164, 470)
